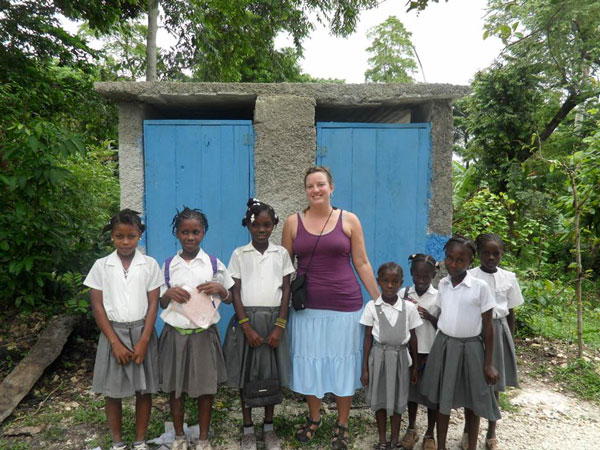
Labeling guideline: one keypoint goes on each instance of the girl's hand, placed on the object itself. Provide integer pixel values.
(139, 351)
(491, 374)
(177, 294)
(415, 374)
(274, 337)
(121, 353)
(364, 378)
(425, 315)
(254, 339)
(212, 288)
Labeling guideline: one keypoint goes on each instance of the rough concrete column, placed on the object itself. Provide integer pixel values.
(284, 148)
(131, 155)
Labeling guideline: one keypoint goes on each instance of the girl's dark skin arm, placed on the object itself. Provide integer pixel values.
(364, 379)
(274, 336)
(490, 372)
(141, 346)
(414, 354)
(511, 322)
(254, 339)
(122, 354)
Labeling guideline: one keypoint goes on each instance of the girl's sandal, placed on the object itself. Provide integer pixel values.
(341, 437)
(307, 431)
(382, 446)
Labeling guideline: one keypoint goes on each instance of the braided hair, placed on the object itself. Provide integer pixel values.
(484, 238)
(461, 240)
(188, 213)
(426, 259)
(390, 267)
(126, 217)
(255, 207)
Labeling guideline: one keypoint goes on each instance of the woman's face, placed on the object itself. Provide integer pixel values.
(318, 189)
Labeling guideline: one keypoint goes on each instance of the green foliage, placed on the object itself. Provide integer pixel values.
(392, 57)
(582, 377)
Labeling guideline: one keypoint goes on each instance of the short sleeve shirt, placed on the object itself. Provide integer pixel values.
(462, 306)
(261, 274)
(191, 273)
(426, 331)
(125, 299)
(505, 287)
(369, 316)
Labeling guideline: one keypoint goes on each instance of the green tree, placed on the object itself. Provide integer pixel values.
(392, 57)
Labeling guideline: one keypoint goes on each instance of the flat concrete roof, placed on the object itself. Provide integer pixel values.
(169, 93)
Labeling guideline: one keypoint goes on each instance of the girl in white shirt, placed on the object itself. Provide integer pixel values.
(459, 371)
(124, 296)
(256, 345)
(390, 323)
(504, 285)
(423, 295)
(191, 359)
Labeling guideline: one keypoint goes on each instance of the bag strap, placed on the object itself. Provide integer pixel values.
(249, 363)
(167, 265)
(213, 262)
(317, 243)
(406, 297)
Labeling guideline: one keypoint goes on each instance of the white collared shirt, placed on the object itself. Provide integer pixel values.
(426, 331)
(125, 299)
(462, 306)
(369, 316)
(261, 274)
(191, 273)
(505, 287)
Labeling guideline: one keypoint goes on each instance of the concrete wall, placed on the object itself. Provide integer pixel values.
(285, 133)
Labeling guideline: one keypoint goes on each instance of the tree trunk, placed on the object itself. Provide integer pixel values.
(578, 269)
(151, 40)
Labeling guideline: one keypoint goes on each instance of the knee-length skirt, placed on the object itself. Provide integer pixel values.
(191, 363)
(265, 362)
(124, 380)
(389, 377)
(505, 358)
(326, 349)
(414, 390)
(454, 377)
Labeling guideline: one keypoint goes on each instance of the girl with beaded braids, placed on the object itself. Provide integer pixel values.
(460, 371)
(191, 359)
(256, 345)
(504, 285)
(124, 296)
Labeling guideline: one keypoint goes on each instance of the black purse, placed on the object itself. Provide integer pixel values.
(260, 393)
(298, 286)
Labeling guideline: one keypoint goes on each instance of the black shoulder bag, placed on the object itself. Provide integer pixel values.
(298, 286)
(259, 393)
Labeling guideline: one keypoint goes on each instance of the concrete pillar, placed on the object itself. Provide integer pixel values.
(131, 156)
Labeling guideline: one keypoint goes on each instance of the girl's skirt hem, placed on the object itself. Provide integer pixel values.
(454, 377)
(326, 350)
(389, 378)
(192, 363)
(265, 362)
(505, 358)
(116, 380)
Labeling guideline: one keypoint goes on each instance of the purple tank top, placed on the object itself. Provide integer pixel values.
(331, 283)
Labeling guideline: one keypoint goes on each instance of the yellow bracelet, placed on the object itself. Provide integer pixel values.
(280, 325)
(243, 321)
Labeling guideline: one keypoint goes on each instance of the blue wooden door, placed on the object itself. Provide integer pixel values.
(381, 173)
(201, 164)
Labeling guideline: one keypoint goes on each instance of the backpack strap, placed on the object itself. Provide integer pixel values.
(213, 262)
(405, 296)
(167, 265)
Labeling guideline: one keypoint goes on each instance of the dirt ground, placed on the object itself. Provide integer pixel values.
(61, 413)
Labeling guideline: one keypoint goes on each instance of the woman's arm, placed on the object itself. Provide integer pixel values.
(359, 255)
(289, 233)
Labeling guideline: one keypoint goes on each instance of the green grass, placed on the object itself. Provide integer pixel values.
(12, 445)
(581, 377)
(505, 404)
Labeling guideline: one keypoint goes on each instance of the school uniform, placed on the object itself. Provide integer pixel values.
(389, 359)
(261, 276)
(191, 358)
(505, 287)
(454, 375)
(125, 300)
(425, 337)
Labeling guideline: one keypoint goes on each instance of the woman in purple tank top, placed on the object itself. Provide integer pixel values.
(326, 337)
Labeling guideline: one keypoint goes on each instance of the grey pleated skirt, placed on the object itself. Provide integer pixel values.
(414, 390)
(191, 363)
(454, 377)
(124, 380)
(505, 358)
(264, 362)
(389, 377)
